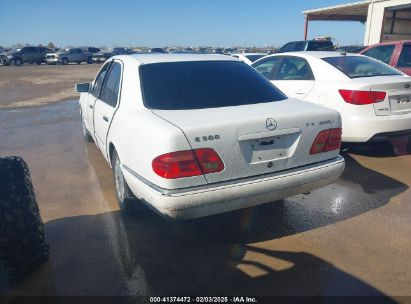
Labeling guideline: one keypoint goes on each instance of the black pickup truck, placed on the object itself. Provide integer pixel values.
(27, 54)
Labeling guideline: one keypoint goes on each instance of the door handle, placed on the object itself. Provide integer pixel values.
(105, 118)
(91, 106)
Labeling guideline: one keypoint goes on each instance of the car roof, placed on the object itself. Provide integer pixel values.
(316, 54)
(246, 54)
(157, 58)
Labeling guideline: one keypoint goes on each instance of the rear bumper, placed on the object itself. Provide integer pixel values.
(223, 197)
(375, 129)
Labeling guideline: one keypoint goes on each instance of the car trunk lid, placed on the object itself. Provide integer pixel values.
(398, 98)
(256, 139)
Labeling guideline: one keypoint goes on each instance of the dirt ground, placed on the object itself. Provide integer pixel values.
(349, 238)
(31, 85)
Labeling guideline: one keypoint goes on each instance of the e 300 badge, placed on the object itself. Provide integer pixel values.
(206, 138)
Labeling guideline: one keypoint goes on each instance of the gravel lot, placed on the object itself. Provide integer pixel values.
(31, 85)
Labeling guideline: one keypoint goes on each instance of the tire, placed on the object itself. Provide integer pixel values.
(86, 134)
(125, 197)
(89, 60)
(23, 243)
(38, 62)
(17, 62)
(64, 61)
(78, 62)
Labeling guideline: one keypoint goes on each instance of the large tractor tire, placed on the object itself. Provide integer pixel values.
(23, 243)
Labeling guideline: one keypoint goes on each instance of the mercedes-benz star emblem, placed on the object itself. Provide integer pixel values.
(270, 123)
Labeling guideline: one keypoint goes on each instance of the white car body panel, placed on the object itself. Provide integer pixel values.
(360, 123)
(140, 134)
(243, 57)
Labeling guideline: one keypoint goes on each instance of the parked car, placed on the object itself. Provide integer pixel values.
(205, 134)
(67, 55)
(27, 54)
(394, 53)
(374, 99)
(105, 54)
(91, 49)
(158, 50)
(307, 45)
(350, 48)
(249, 58)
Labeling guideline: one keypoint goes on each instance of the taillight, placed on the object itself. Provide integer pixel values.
(327, 140)
(362, 97)
(187, 163)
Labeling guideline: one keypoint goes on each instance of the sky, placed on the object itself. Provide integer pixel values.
(158, 23)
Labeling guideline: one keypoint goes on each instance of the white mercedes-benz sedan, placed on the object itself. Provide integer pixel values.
(195, 135)
(374, 99)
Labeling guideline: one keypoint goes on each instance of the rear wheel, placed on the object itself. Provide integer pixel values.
(38, 62)
(64, 61)
(125, 197)
(89, 60)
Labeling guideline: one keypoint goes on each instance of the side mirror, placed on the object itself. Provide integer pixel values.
(83, 87)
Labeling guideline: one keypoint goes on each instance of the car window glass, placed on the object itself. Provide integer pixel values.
(204, 84)
(268, 67)
(288, 47)
(110, 89)
(99, 80)
(253, 58)
(294, 68)
(382, 52)
(405, 57)
(299, 46)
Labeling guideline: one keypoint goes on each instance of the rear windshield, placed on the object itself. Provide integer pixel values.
(204, 84)
(360, 66)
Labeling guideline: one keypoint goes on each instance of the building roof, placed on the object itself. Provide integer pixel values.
(353, 11)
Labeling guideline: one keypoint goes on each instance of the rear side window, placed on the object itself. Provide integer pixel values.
(109, 94)
(405, 57)
(360, 66)
(382, 53)
(204, 84)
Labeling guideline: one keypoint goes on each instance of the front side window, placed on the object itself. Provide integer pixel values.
(204, 84)
(268, 67)
(98, 83)
(405, 57)
(109, 93)
(382, 53)
(360, 66)
(294, 68)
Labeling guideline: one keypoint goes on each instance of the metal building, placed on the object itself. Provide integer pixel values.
(386, 20)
